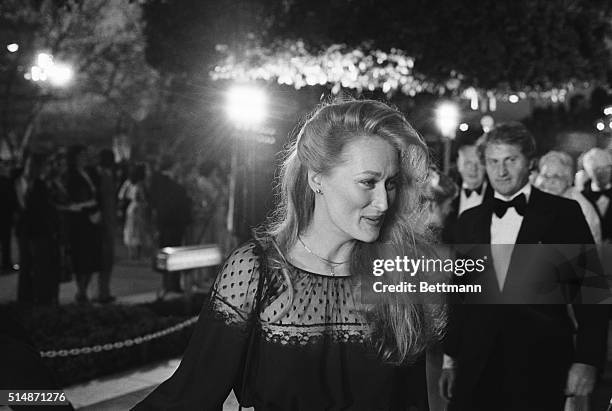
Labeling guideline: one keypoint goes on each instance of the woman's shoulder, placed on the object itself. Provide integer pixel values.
(247, 250)
(235, 288)
(242, 263)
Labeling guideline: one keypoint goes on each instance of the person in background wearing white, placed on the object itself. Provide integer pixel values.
(556, 177)
(598, 166)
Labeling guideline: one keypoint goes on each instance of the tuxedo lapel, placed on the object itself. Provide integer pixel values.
(536, 220)
(481, 228)
(476, 244)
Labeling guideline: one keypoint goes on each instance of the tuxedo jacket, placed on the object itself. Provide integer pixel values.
(529, 319)
(606, 219)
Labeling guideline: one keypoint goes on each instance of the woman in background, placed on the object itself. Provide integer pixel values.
(135, 232)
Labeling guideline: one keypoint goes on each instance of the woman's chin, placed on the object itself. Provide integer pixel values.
(368, 235)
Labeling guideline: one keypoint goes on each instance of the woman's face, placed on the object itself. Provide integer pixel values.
(553, 178)
(358, 192)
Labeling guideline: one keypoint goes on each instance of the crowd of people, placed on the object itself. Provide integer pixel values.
(287, 326)
(67, 208)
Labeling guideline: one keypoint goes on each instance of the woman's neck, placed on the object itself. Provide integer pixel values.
(324, 244)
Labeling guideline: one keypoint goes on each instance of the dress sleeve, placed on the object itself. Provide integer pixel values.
(213, 362)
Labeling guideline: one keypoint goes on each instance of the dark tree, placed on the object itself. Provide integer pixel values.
(514, 44)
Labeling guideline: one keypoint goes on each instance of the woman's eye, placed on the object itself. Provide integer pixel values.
(368, 183)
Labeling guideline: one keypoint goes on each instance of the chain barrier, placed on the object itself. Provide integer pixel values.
(119, 344)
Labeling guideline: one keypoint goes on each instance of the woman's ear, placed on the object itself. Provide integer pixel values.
(314, 181)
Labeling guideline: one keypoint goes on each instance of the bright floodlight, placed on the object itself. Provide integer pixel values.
(44, 61)
(608, 111)
(37, 74)
(600, 125)
(246, 105)
(13, 47)
(60, 74)
(447, 118)
(513, 98)
(464, 127)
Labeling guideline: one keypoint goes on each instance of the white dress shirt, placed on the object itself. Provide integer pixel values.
(505, 231)
(603, 202)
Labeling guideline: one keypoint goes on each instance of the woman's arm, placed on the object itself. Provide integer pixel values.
(213, 362)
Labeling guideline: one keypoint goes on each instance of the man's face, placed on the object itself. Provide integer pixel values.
(599, 170)
(470, 167)
(507, 168)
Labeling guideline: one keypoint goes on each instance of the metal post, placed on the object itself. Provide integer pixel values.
(232, 188)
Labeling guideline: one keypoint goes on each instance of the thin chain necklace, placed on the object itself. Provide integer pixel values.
(332, 264)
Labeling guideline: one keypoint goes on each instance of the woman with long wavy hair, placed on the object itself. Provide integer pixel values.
(287, 326)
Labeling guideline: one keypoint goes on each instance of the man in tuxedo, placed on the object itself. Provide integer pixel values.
(598, 166)
(474, 187)
(518, 352)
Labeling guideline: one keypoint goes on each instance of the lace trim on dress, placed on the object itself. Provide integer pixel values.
(305, 335)
(322, 308)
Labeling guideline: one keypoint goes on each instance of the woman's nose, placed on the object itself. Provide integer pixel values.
(381, 199)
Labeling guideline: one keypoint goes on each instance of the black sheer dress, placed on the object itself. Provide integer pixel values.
(316, 357)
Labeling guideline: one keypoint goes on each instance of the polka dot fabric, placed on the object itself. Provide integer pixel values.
(233, 294)
(322, 306)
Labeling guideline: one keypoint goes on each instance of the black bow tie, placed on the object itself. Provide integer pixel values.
(594, 195)
(519, 203)
(469, 191)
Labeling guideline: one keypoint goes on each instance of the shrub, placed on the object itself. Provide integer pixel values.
(75, 326)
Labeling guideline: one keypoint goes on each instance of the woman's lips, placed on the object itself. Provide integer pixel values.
(374, 220)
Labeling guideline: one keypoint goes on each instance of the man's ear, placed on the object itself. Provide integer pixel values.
(314, 180)
(533, 164)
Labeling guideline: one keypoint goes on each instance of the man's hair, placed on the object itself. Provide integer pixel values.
(596, 155)
(512, 133)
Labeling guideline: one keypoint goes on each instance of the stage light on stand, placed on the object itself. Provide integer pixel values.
(447, 120)
(246, 106)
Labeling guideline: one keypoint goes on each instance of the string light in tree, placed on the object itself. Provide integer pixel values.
(362, 68)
